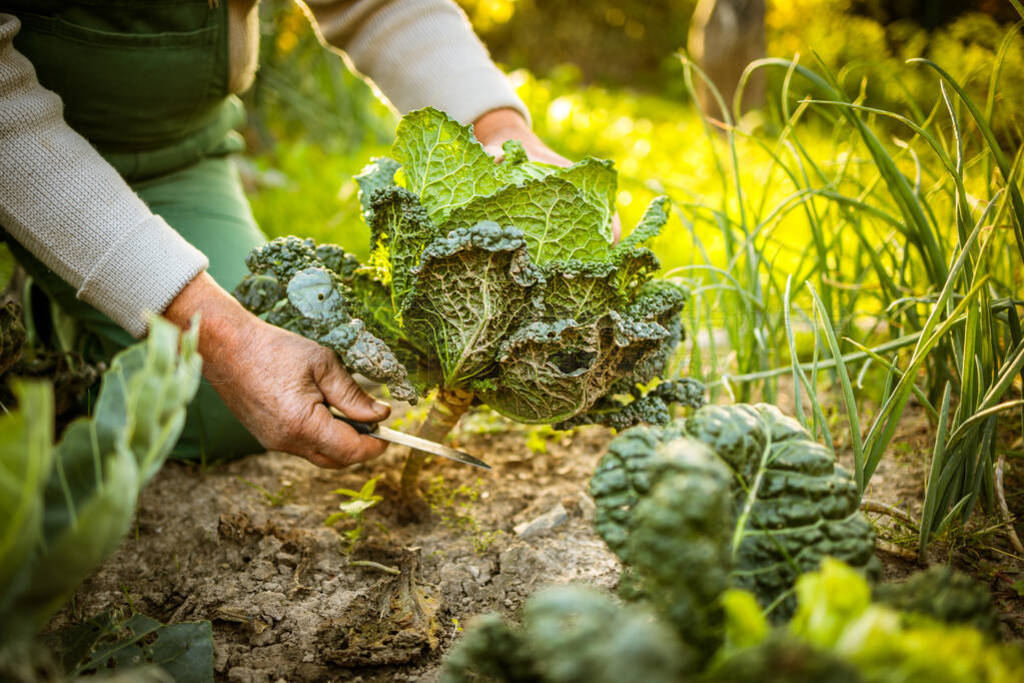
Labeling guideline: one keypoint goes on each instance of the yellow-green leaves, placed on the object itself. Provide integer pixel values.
(64, 508)
(26, 459)
(563, 212)
(443, 164)
(556, 223)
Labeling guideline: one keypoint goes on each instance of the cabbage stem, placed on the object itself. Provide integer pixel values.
(448, 407)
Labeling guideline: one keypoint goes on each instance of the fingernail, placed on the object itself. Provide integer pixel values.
(381, 408)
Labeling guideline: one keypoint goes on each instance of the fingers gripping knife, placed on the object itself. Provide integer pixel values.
(384, 434)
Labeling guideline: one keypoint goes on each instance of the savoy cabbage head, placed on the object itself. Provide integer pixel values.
(495, 282)
(504, 276)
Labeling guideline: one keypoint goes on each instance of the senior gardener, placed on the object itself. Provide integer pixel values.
(116, 119)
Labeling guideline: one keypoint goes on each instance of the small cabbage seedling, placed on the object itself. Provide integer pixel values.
(354, 508)
(273, 499)
(495, 283)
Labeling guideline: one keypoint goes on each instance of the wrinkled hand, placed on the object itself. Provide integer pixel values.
(499, 125)
(276, 382)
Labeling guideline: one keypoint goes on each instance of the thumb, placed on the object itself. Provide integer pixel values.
(342, 392)
(616, 228)
(495, 151)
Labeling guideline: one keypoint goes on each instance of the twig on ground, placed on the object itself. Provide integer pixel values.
(899, 551)
(375, 565)
(881, 508)
(1004, 509)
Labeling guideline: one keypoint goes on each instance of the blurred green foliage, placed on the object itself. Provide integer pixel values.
(303, 89)
(608, 42)
(869, 56)
(657, 142)
(632, 44)
(932, 13)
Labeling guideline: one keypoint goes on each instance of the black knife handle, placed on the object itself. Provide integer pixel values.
(360, 427)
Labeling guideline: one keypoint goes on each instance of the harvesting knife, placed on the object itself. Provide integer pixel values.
(384, 434)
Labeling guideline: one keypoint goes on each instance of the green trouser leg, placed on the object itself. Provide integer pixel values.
(205, 204)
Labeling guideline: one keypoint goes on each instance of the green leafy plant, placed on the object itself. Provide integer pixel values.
(454, 506)
(572, 634)
(740, 490)
(37, 341)
(184, 651)
(274, 499)
(909, 284)
(699, 510)
(64, 508)
(576, 634)
(943, 594)
(835, 614)
(496, 283)
(301, 287)
(12, 336)
(353, 509)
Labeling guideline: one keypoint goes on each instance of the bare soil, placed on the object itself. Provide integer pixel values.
(290, 601)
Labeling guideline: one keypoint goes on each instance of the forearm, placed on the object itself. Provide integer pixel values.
(66, 205)
(419, 53)
(225, 326)
(277, 383)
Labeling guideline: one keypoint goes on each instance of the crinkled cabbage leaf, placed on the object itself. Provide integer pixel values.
(499, 278)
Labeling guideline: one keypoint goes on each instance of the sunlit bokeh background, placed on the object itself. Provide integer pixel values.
(606, 79)
(611, 79)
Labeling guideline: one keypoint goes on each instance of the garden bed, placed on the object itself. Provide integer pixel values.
(288, 601)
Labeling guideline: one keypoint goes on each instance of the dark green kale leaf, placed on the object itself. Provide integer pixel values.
(291, 286)
(492, 650)
(942, 594)
(784, 659)
(570, 634)
(652, 407)
(791, 504)
(12, 336)
(682, 528)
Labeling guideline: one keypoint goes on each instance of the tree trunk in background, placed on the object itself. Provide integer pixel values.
(725, 36)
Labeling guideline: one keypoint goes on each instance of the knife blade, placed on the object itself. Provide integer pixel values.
(386, 434)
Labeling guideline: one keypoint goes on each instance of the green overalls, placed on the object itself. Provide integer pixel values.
(146, 82)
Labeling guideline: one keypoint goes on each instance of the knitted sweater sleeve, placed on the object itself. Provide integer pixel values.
(70, 208)
(419, 53)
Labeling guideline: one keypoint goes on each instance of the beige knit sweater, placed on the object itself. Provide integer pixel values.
(71, 209)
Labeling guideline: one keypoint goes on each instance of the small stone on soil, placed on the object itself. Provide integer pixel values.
(539, 526)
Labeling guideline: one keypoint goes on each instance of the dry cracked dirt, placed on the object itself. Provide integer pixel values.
(245, 546)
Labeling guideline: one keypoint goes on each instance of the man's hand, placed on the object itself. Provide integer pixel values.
(499, 125)
(276, 382)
